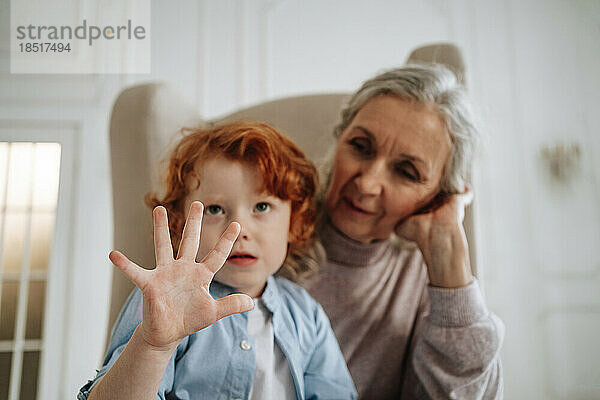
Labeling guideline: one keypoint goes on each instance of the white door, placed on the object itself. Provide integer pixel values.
(540, 210)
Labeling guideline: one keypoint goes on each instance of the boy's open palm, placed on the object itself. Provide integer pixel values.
(176, 294)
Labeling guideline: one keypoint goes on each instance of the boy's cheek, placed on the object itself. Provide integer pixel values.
(202, 252)
(208, 240)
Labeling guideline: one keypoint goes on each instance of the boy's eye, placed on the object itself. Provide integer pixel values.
(262, 207)
(213, 209)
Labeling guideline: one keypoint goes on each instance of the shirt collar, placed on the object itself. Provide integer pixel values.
(271, 296)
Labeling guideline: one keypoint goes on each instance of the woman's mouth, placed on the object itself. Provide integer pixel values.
(241, 259)
(355, 210)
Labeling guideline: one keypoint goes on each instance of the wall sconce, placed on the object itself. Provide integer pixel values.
(562, 160)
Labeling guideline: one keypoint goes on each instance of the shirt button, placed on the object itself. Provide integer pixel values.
(245, 345)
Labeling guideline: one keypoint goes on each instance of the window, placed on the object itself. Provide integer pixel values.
(29, 177)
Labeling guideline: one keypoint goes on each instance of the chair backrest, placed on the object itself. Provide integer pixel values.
(146, 120)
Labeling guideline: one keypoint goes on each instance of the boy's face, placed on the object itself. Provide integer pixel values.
(230, 192)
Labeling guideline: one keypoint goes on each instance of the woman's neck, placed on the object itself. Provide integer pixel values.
(342, 249)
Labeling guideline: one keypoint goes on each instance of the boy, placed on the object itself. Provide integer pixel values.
(170, 340)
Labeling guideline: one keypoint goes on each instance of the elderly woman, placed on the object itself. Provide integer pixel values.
(410, 320)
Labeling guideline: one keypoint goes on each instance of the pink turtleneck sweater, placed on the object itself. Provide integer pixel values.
(401, 338)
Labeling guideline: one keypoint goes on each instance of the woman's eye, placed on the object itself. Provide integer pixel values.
(361, 145)
(262, 207)
(409, 173)
(213, 209)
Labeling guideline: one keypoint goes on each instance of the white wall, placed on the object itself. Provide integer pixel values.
(539, 88)
(77, 104)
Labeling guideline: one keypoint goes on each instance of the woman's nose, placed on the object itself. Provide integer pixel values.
(371, 179)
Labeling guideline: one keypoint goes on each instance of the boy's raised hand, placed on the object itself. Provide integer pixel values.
(176, 294)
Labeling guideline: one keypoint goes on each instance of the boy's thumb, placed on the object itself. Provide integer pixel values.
(234, 303)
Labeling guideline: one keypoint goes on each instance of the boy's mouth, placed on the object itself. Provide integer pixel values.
(241, 259)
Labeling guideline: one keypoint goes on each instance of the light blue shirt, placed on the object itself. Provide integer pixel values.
(218, 362)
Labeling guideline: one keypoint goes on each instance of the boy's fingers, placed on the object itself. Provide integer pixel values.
(215, 258)
(163, 251)
(132, 271)
(232, 304)
(190, 238)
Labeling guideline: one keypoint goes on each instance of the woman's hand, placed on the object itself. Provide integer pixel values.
(176, 294)
(440, 235)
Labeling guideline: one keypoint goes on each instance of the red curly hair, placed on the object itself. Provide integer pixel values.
(285, 171)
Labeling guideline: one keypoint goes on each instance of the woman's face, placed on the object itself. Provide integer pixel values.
(388, 164)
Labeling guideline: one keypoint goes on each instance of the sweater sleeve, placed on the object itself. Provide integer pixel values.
(456, 348)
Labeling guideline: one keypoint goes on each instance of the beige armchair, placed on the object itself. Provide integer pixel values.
(146, 120)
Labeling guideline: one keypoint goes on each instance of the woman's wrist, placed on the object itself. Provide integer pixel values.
(456, 275)
(448, 264)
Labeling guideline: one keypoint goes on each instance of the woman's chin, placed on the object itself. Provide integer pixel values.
(354, 230)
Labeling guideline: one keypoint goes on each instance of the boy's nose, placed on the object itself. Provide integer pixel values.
(245, 226)
(244, 234)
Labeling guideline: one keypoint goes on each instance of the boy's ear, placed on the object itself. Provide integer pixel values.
(291, 237)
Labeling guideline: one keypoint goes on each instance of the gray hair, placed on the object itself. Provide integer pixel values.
(427, 84)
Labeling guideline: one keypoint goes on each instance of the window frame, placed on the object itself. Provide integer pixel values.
(54, 339)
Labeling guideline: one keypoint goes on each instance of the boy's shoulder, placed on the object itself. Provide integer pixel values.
(295, 297)
(289, 288)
